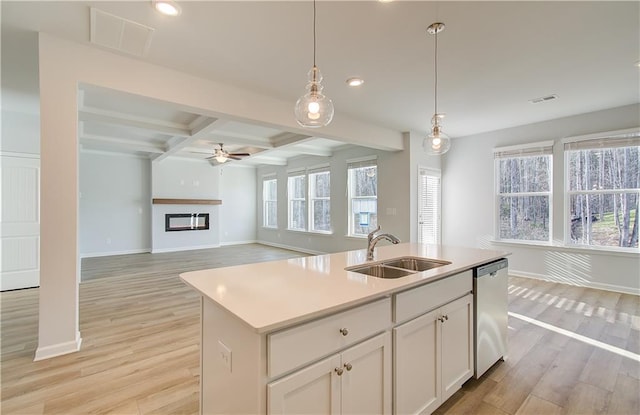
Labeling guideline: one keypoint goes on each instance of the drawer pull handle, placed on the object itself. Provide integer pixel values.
(348, 366)
(344, 331)
(443, 318)
(339, 371)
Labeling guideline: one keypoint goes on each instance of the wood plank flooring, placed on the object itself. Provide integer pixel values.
(572, 350)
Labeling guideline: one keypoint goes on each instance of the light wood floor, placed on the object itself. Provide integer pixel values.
(571, 350)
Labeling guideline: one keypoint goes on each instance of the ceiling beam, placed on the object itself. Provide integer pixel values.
(143, 123)
(205, 126)
(131, 145)
(287, 139)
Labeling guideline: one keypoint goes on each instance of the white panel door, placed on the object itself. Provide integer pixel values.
(429, 206)
(20, 222)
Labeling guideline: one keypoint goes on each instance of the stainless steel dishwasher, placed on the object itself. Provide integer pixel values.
(490, 314)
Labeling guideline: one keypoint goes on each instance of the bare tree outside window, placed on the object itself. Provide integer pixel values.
(363, 199)
(604, 196)
(320, 200)
(524, 191)
(270, 203)
(297, 203)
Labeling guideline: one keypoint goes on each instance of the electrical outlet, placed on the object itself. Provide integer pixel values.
(225, 354)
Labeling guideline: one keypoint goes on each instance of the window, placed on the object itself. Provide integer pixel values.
(362, 185)
(320, 200)
(296, 187)
(603, 192)
(429, 206)
(270, 203)
(523, 192)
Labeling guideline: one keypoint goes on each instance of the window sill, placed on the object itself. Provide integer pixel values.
(310, 232)
(630, 252)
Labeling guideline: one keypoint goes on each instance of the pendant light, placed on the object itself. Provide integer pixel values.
(437, 142)
(313, 109)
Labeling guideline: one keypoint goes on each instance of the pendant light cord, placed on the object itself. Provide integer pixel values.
(436, 79)
(314, 33)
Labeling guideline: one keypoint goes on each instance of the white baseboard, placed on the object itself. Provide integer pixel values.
(238, 243)
(112, 253)
(184, 248)
(292, 248)
(588, 284)
(59, 349)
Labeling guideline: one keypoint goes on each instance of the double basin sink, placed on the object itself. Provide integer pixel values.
(397, 267)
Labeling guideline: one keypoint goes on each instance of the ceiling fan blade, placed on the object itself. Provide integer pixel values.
(233, 157)
(239, 154)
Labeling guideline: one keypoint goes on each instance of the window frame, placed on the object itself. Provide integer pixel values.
(312, 198)
(299, 174)
(537, 149)
(365, 162)
(606, 140)
(265, 200)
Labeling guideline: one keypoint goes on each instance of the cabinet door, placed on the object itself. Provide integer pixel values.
(457, 344)
(417, 365)
(312, 390)
(366, 380)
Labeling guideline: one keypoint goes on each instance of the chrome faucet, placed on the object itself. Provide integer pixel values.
(373, 239)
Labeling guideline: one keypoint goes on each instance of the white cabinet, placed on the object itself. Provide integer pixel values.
(433, 357)
(457, 345)
(355, 381)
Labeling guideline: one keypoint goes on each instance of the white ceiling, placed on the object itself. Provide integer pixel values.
(493, 58)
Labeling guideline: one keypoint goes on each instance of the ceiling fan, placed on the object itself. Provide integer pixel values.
(222, 156)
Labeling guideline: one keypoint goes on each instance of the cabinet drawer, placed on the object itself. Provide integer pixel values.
(412, 303)
(300, 345)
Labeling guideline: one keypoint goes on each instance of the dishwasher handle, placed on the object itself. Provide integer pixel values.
(491, 268)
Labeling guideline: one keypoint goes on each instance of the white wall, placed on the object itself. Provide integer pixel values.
(184, 179)
(238, 211)
(115, 204)
(20, 102)
(468, 203)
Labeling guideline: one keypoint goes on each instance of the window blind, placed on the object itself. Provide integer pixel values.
(429, 182)
(359, 163)
(604, 142)
(524, 150)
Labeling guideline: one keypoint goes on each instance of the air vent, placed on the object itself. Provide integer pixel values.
(113, 32)
(543, 99)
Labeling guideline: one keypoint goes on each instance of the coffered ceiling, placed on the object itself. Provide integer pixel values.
(494, 57)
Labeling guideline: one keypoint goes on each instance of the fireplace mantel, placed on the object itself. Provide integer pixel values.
(186, 201)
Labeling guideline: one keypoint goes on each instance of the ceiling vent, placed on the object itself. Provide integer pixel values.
(120, 34)
(543, 99)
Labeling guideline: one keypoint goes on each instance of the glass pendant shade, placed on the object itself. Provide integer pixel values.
(313, 109)
(437, 142)
(221, 159)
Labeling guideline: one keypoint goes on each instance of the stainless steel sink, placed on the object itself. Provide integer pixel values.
(380, 271)
(397, 267)
(414, 263)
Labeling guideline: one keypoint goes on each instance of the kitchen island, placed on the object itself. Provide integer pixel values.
(306, 335)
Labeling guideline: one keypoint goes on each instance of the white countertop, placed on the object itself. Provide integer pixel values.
(271, 295)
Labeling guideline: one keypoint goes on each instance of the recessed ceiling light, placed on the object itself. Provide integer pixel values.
(167, 7)
(638, 64)
(355, 81)
(385, 1)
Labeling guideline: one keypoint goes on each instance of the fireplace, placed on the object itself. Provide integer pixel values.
(186, 222)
